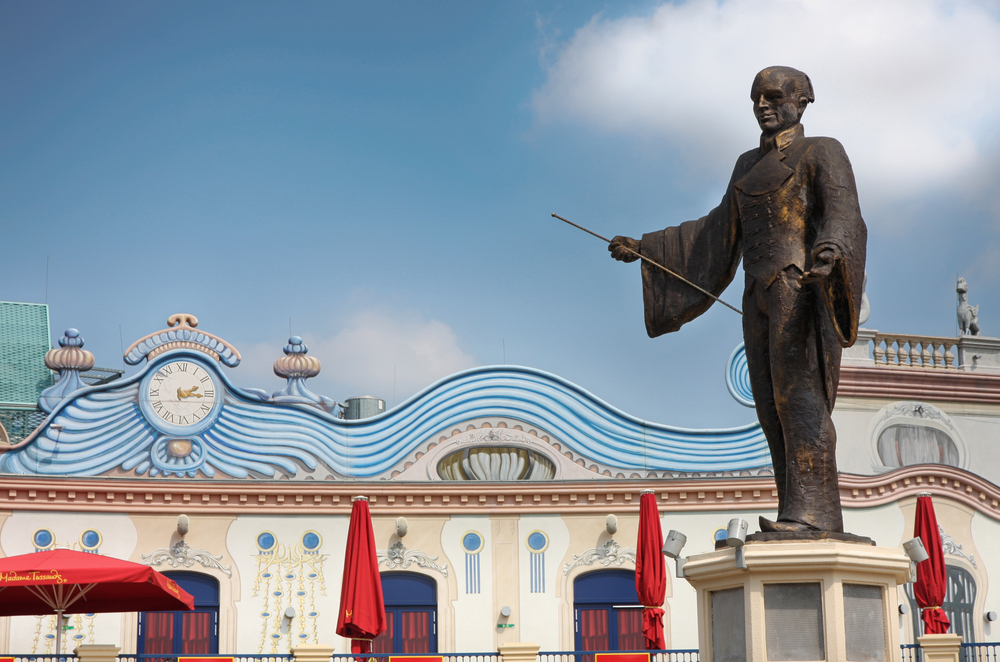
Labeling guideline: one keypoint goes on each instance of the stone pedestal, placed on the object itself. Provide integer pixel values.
(518, 652)
(979, 354)
(97, 652)
(312, 653)
(940, 647)
(817, 600)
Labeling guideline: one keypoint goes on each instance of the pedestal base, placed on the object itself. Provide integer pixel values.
(815, 600)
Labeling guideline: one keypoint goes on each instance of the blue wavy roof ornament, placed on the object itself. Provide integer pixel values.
(249, 433)
(102, 429)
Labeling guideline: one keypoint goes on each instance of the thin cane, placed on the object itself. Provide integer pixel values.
(652, 262)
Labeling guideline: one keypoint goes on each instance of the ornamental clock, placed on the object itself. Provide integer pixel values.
(181, 396)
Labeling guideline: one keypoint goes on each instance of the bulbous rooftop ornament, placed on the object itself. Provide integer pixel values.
(70, 359)
(296, 367)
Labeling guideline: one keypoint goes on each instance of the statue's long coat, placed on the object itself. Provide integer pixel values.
(785, 202)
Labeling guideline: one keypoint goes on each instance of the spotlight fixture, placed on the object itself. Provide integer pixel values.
(672, 547)
(736, 536)
(914, 549)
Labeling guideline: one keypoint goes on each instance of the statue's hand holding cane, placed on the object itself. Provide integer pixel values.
(625, 249)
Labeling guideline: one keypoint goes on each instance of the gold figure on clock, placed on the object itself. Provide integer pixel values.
(182, 392)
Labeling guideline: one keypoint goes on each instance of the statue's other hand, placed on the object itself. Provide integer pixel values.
(618, 247)
(822, 266)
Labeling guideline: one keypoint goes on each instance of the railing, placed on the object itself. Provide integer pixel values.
(237, 657)
(905, 351)
(448, 657)
(911, 653)
(44, 657)
(675, 655)
(987, 652)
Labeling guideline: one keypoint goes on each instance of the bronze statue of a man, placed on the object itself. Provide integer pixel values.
(791, 212)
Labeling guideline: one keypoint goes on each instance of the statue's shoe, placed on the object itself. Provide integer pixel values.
(767, 526)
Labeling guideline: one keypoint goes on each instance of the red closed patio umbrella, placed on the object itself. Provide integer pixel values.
(931, 584)
(362, 611)
(63, 581)
(650, 571)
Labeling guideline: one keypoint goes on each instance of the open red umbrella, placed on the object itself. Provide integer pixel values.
(650, 571)
(62, 581)
(932, 579)
(362, 611)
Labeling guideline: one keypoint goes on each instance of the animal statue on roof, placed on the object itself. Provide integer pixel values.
(968, 316)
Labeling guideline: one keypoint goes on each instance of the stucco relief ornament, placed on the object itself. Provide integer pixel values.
(398, 557)
(913, 410)
(949, 546)
(608, 554)
(495, 436)
(182, 555)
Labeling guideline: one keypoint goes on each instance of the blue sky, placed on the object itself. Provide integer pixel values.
(383, 173)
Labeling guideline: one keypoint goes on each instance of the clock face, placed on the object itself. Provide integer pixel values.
(181, 393)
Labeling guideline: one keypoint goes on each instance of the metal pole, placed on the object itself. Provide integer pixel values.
(654, 263)
(59, 624)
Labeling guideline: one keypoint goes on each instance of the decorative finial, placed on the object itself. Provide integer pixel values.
(295, 363)
(296, 367)
(968, 316)
(69, 360)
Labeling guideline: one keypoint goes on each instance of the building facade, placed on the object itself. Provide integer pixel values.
(505, 477)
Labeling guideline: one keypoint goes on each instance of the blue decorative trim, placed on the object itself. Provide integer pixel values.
(738, 377)
(101, 428)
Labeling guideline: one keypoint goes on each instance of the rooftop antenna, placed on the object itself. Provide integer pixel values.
(121, 343)
(504, 340)
(46, 280)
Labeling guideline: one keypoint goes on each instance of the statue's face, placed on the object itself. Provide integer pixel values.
(775, 104)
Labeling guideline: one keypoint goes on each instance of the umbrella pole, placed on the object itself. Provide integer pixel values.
(59, 618)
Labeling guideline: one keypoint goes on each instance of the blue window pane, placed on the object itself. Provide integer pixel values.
(311, 540)
(90, 539)
(265, 541)
(472, 542)
(537, 541)
(43, 538)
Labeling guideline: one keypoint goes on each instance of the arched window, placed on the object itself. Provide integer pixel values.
(410, 615)
(906, 445)
(607, 612)
(959, 600)
(184, 632)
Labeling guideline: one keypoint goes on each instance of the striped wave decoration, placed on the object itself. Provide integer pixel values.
(101, 428)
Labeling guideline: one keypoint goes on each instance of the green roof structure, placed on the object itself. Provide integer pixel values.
(24, 340)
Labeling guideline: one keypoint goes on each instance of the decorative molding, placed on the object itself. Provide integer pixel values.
(918, 384)
(181, 333)
(398, 557)
(608, 554)
(721, 492)
(182, 555)
(949, 546)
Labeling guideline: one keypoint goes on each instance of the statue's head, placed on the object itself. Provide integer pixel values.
(962, 287)
(780, 96)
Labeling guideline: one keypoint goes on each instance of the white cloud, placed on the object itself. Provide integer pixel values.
(909, 86)
(361, 357)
